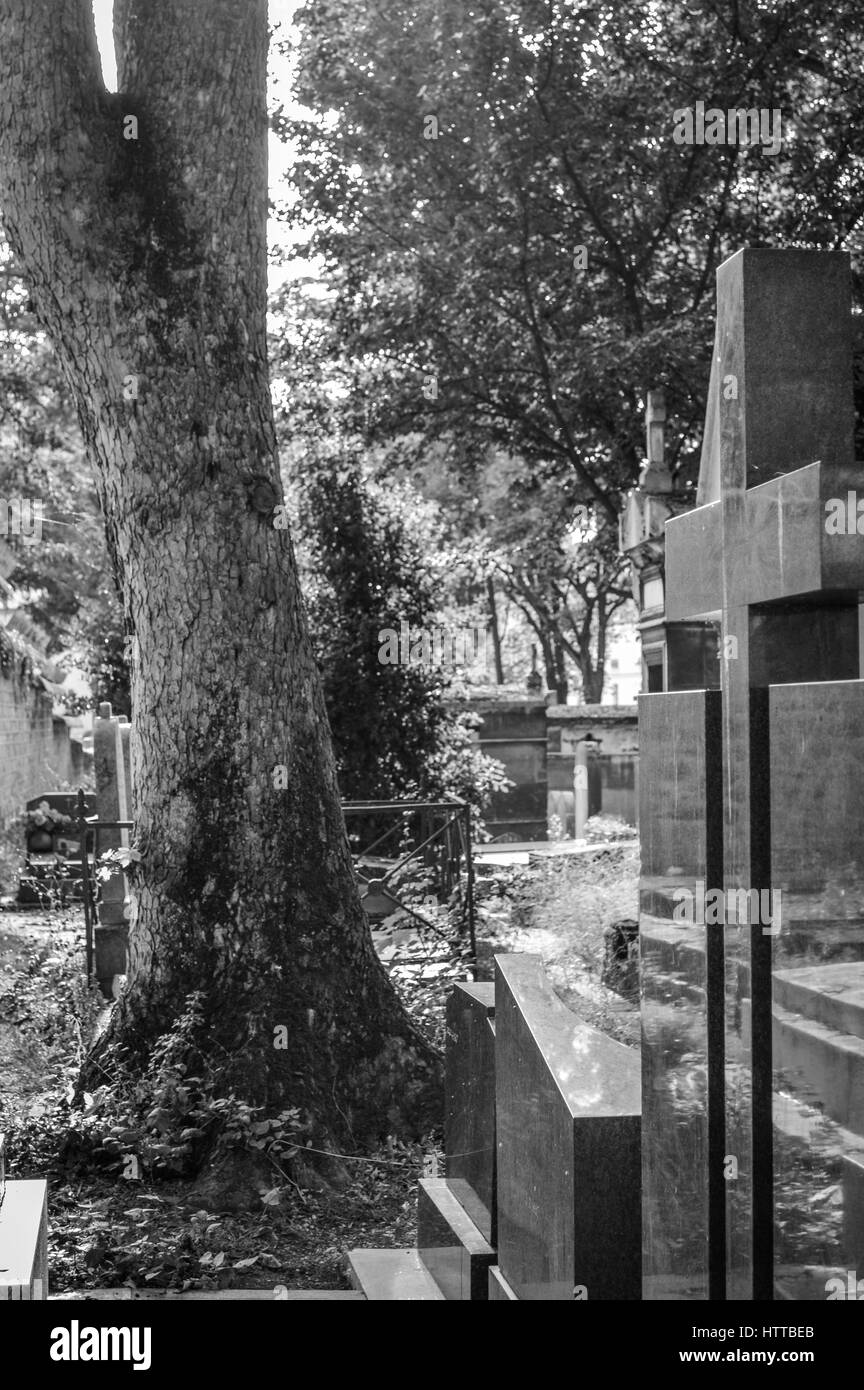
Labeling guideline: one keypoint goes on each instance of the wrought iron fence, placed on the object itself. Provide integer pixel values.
(424, 839)
(438, 846)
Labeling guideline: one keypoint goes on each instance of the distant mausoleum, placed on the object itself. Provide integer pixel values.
(683, 655)
(540, 745)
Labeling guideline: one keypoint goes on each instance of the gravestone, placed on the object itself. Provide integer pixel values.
(52, 868)
(540, 1199)
(113, 772)
(23, 1237)
(568, 1148)
(469, 1116)
(752, 895)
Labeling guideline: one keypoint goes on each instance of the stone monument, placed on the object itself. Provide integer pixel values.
(752, 898)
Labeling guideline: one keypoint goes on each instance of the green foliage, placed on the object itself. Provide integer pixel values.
(98, 645)
(110, 1226)
(42, 456)
(48, 1011)
(458, 767)
(169, 1115)
(559, 568)
(370, 573)
(372, 558)
(64, 580)
(455, 257)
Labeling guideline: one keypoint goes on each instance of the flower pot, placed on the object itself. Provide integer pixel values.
(40, 842)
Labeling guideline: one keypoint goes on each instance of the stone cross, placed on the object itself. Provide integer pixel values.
(655, 476)
(756, 558)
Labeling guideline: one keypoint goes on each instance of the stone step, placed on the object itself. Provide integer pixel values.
(673, 960)
(830, 994)
(821, 1064)
(449, 1240)
(24, 1241)
(392, 1276)
(803, 1126)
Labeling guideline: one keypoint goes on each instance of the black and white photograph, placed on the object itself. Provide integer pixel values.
(431, 675)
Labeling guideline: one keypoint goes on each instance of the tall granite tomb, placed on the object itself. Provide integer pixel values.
(752, 814)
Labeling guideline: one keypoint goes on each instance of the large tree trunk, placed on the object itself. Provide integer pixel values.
(147, 262)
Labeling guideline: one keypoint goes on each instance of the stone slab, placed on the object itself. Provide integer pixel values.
(778, 444)
(853, 1210)
(392, 1276)
(831, 994)
(568, 1138)
(510, 855)
(795, 555)
(110, 953)
(24, 1241)
(784, 333)
(816, 742)
(469, 1114)
(682, 998)
(451, 1245)
(499, 1290)
(693, 568)
(820, 1062)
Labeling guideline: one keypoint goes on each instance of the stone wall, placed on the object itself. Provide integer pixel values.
(36, 752)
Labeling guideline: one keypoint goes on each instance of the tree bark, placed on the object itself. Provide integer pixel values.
(147, 262)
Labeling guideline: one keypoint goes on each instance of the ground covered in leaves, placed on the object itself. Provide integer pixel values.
(113, 1227)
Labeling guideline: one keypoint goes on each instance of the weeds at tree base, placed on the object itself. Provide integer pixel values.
(108, 1227)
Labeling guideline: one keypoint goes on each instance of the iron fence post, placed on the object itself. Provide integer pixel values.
(469, 873)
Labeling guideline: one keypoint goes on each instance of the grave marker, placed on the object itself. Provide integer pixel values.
(568, 1140)
(23, 1237)
(541, 1197)
(756, 788)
